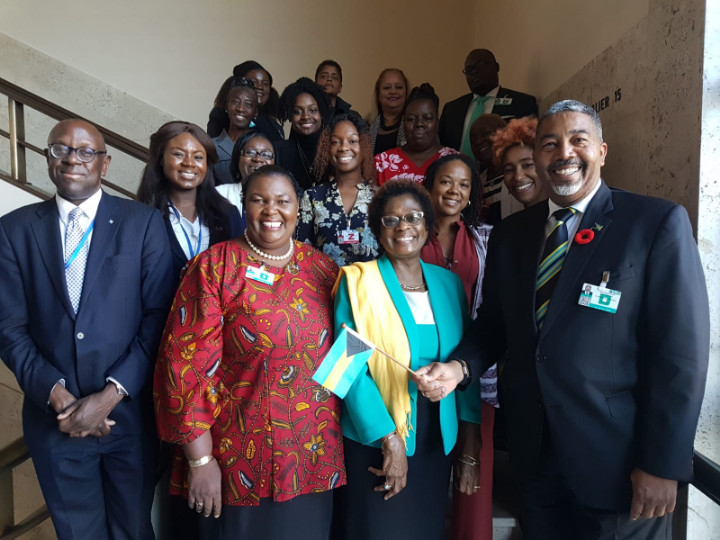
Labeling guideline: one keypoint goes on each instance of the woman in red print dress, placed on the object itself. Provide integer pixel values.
(261, 442)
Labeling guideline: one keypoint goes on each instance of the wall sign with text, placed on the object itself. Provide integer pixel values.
(605, 102)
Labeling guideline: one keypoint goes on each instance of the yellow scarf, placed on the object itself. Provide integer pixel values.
(377, 320)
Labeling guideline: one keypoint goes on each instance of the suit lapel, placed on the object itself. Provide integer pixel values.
(107, 222)
(175, 246)
(530, 242)
(597, 217)
(47, 235)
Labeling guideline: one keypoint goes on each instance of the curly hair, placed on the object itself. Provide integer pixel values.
(424, 91)
(398, 188)
(155, 188)
(472, 215)
(272, 170)
(303, 85)
(271, 107)
(518, 132)
(239, 146)
(322, 166)
(379, 79)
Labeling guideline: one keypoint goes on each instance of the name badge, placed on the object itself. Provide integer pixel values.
(503, 101)
(258, 274)
(599, 296)
(348, 236)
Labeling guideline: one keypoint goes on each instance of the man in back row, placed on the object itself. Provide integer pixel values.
(598, 297)
(86, 285)
(486, 96)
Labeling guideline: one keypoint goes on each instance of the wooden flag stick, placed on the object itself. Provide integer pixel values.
(378, 349)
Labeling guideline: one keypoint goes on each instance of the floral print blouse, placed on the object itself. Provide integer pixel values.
(324, 224)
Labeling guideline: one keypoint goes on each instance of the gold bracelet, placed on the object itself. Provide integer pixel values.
(200, 461)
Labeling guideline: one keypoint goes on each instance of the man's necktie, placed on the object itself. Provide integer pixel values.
(75, 271)
(551, 262)
(478, 103)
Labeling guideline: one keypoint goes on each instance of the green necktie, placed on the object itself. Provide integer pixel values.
(478, 103)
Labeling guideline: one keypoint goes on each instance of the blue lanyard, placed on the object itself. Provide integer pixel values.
(192, 251)
(83, 241)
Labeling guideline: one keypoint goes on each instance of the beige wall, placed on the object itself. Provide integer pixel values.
(174, 55)
(539, 47)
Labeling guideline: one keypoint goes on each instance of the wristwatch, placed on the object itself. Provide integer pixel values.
(467, 376)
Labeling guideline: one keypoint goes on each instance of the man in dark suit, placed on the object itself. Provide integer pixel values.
(83, 299)
(605, 370)
(486, 97)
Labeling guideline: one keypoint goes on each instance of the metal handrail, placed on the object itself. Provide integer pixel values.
(18, 98)
(12, 456)
(707, 476)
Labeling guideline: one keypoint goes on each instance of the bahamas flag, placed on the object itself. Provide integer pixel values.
(343, 363)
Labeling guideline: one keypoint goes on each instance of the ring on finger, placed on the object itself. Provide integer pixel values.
(387, 487)
(198, 503)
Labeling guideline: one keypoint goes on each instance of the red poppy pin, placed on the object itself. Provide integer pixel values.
(584, 236)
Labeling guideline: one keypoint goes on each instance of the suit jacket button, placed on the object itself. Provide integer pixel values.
(540, 358)
(80, 335)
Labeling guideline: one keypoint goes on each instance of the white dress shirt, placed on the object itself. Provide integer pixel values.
(572, 224)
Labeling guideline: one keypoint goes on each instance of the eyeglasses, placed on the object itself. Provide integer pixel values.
(413, 218)
(264, 155)
(84, 154)
(474, 68)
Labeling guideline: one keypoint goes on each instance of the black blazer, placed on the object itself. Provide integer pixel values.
(453, 114)
(125, 299)
(612, 391)
(179, 259)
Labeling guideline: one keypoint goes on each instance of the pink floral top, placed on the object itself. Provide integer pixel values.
(396, 165)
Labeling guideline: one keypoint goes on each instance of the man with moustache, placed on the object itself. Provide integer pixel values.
(86, 284)
(605, 370)
(486, 96)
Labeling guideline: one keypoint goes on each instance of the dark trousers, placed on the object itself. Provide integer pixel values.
(99, 488)
(550, 511)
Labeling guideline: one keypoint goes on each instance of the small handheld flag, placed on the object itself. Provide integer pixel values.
(341, 366)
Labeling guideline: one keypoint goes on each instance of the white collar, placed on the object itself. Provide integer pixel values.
(492, 93)
(89, 206)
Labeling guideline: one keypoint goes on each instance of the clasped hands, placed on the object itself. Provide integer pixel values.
(438, 379)
(87, 416)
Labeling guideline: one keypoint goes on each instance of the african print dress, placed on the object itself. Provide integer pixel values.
(237, 358)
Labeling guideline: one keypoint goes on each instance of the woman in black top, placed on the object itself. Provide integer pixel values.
(305, 105)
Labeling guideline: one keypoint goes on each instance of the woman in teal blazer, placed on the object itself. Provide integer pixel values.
(416, 312)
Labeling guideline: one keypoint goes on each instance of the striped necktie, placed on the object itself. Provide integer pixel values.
(551, 262)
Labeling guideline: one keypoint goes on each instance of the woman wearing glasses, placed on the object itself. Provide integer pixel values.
(397, 439)
(251, 151)
(178, 180)
(334, 214)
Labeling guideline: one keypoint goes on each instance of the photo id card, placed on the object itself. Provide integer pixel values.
(258, 274)
(349, 236)
(599, 297)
